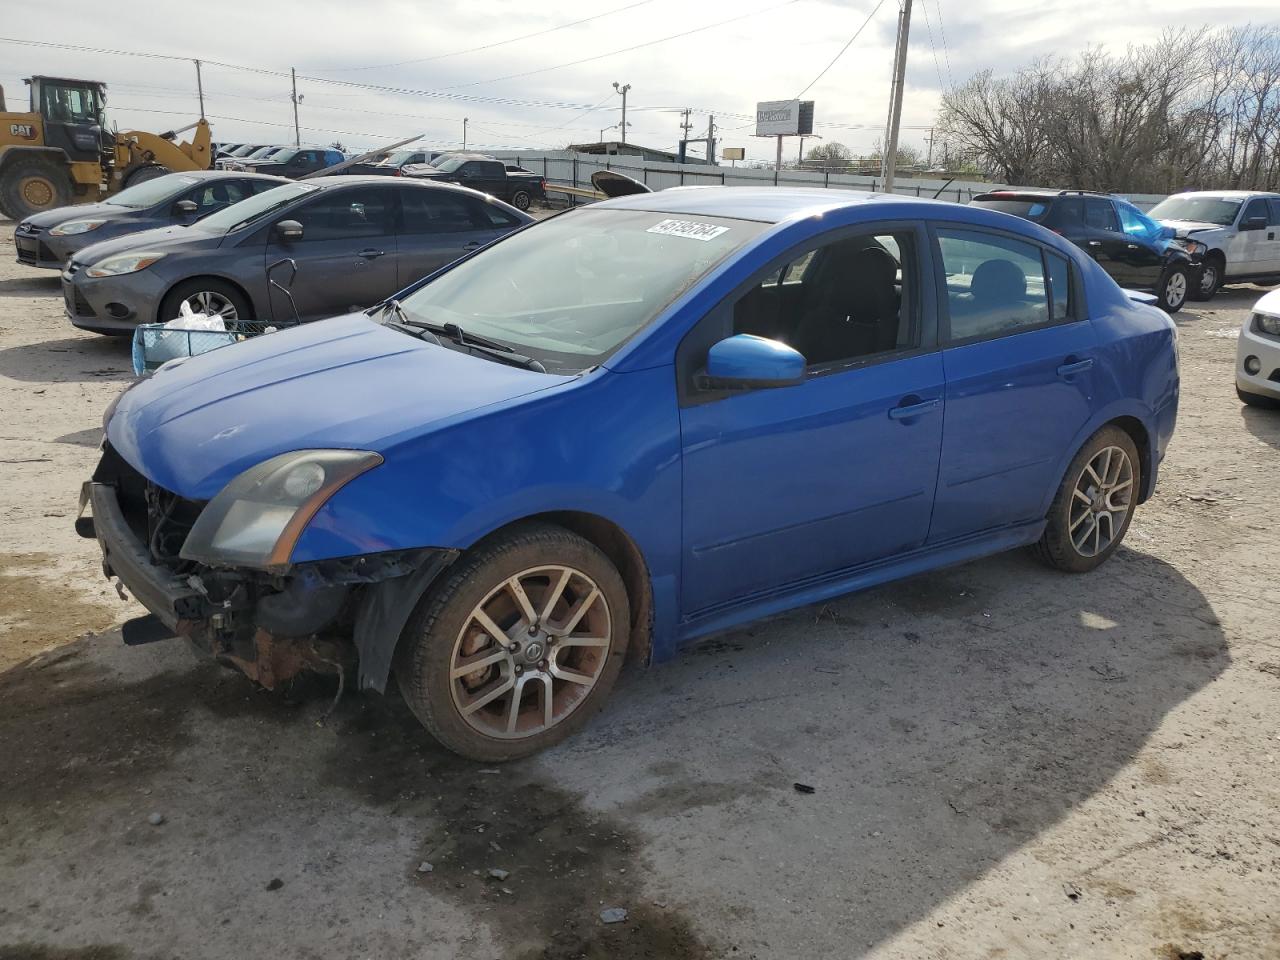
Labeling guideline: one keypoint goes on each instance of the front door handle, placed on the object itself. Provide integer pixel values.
(1095, 243)
(371, 254)
(905, 411)
(1072, 367)
(1134, 246)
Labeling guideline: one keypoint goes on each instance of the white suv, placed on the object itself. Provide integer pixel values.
(1240, 228)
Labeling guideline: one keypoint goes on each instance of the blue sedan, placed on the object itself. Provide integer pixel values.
(626, 427)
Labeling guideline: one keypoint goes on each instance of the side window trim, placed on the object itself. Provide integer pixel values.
(1077, 304)
(717, 322)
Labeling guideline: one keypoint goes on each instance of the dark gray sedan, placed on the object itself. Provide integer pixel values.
(49, 239)
(355, 240)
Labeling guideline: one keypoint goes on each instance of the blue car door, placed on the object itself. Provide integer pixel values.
(1018, 356)
(795, 483)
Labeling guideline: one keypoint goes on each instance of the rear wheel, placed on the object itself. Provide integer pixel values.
(1210, 280)
(206, 295)
(521, 200)
(33, 186)
(518, 645)
(1171, 292)
(1094, 505)
(145, 173)
(1258, 400)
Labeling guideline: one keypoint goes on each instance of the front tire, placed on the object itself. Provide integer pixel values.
(142, 174)
(1094, 504)
(33, 186)
(1257, 400)
(517, 646)
(521, 200)
(1210, 279)
(211, 296)
(1171, 292)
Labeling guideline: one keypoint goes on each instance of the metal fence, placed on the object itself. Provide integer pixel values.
(566, 168)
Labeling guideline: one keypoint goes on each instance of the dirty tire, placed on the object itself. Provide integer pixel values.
(33, 186)
(1210, 280)
(169, 306)
(436, 629)
(1055, 546)
(144, 173)
(521, 200)
(1258, 400)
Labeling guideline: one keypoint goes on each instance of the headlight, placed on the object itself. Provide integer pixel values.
(124, 263)
(257, 518)
(73, 227)
(1266, 323)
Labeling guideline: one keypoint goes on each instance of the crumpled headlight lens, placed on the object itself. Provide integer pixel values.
(73, 227)
(124, 263)
(1266, 323)
(257, 518)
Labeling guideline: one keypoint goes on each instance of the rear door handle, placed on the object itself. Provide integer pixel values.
(907, 411)
(1073, 367)
(371, 254)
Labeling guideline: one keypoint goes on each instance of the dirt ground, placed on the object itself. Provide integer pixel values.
(1006, 762)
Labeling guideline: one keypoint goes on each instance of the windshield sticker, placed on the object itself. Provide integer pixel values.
(689, 229)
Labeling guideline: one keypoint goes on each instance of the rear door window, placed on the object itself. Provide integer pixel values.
(428, 210)
(995, 284)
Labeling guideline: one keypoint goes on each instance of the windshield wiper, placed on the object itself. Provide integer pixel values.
(491, 348)
(402, 320)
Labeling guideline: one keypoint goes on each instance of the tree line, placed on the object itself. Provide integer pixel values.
(1191, 110)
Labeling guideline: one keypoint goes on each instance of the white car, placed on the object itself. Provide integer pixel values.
(1258, 354)
(1240, 228)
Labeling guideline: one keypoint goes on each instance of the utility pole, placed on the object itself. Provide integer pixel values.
(800, 154)
(622, 89)
(199, 89)
(297, 135)
(890, 158)
(464, 134)
(711, 139)
(929, 140)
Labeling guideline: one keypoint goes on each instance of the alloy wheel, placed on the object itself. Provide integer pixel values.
(213, 304)
(1101, 501)
(1175, 289)
(530, 652)
(1209, 279)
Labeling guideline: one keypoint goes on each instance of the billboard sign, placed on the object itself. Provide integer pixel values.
(784, 118)
(735, 153)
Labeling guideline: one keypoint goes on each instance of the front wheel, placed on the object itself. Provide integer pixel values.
(1171, 292)
(521, 200)
(1258, 400)
(1094, 505)
(34, 186)
(1210, 280)
(517, 646)
(209, 296)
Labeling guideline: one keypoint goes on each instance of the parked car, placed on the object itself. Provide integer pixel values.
(625, 427)
(393, 165)
(356, 240)
(1258, 355)
(1129, 245)
(485, 174)
(293, 162)
(244, 152)
(177, 199)
(1240, 229)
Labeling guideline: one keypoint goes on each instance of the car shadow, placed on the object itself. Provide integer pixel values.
(71, 360)
(1263, 424)
(49, 286)
(938, 725)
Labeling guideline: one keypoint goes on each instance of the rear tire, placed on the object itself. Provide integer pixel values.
(33, 186)
(145, 173)
(498, 696)
(1104, 479)
(1210, 280)
(1172, 290)
(1258, 400)
(521, 200)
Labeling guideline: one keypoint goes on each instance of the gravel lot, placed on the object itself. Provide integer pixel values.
(1007, 762)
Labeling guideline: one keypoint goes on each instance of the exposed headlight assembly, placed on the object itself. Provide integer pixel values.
(257, 518)
(73, 227)
(124, 263)
(1267, 323)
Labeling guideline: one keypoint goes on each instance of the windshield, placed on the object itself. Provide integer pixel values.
(399, 158)
(284, 156)
(248, 210)
(1029, 208)
(1198, 209)
(263, 152)
(573, 289)
(151, 192)
(244, 151)
(450, 164)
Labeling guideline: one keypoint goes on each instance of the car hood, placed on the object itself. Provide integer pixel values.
(155, 239)
(345, 383)
(1185, 228)
(87, 211)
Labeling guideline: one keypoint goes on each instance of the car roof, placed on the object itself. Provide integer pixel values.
(1225, 194)
(765, 204)
(1042, 192)
(229, 175)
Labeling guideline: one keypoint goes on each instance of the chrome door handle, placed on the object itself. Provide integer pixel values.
(1075, 366)
(371, 254)
(1133, 246)
(1095, 243)
(913, 409)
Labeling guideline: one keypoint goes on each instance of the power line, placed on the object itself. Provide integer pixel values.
(847, 45)
(942, 30)
(929, 29)
(496, 43)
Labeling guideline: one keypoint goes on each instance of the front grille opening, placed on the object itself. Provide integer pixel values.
(158, 517)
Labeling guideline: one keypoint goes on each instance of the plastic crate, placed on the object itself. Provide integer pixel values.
(155, 344)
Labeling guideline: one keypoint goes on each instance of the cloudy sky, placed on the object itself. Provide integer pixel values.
(439, 62)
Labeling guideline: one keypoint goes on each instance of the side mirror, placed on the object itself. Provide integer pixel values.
(745, 362)
(289, 230)
(185, 207)
(1254, 223)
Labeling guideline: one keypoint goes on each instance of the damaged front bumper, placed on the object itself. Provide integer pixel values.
(321, 616)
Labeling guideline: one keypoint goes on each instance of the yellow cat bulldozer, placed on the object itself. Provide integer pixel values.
(60, 151)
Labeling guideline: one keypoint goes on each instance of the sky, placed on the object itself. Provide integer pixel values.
(550, 90)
